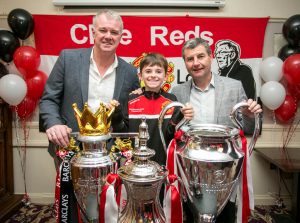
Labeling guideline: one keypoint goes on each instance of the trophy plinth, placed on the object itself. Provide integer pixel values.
(90, 166)
(142, 179)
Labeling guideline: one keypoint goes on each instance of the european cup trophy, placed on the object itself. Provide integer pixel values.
(210, 161)
(90, 167)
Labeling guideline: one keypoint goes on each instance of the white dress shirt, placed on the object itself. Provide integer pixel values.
(203, 102)
(101, 87)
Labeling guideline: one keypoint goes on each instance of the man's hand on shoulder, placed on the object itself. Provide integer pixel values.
(137, 91)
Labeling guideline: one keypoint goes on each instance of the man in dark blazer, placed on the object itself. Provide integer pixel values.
(85, 75)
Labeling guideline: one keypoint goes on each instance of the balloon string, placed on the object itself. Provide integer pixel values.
(284, 152)
(293, 128)
(26, 130)
(285, 135)
(274, 118)
(22, 152)
(290, 132)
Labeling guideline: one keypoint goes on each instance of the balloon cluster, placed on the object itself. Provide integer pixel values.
(21, 91)
(291, 32)
(286, 66)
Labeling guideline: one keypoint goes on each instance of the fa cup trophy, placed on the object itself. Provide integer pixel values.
(143, 179)
(210, 162)
(90, 167)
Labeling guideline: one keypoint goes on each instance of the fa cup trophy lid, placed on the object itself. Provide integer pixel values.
(142, 169)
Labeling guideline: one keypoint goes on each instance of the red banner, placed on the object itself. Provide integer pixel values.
(165, 35)
(151, 34)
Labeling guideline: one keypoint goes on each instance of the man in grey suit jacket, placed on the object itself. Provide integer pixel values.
(227, 93)
(219, 94)
(211, 96)
(86, 75)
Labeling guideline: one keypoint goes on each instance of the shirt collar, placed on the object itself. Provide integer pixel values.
(151, 94)
(211, 85)
(113, 66)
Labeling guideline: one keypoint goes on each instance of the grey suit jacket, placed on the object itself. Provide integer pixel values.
(68, 83)
(228, 92)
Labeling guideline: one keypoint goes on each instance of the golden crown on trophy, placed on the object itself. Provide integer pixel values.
(94, 124)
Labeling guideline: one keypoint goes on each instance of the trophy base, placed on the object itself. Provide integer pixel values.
(206, 218)
(203, 210)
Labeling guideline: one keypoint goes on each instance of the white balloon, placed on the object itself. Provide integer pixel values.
(272, 94)
(13, 89)
(271, 69)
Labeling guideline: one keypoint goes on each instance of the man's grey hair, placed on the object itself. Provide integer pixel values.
(231, 45)
(109, 14)
(193, 43)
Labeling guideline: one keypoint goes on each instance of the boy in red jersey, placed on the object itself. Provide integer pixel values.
(149, 102)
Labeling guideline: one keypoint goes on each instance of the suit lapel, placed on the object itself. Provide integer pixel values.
(119, 80)
(187, 91)
(84, 73)
(219, 88)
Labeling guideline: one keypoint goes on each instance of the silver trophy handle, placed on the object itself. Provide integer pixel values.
(161, 119)
(237, 123)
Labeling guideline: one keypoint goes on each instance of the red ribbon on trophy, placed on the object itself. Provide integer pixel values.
(108, 207)
(245, 192)
(171, 158)
(121, 197)
(172, 201)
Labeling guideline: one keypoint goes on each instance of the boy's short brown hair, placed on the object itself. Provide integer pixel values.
(154, 59)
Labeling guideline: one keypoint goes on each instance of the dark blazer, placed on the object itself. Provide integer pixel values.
(68, 83)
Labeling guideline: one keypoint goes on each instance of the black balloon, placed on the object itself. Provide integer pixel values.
(287, 51)
(21, 23)
(291, 30)
(8, 45)
(3, 70)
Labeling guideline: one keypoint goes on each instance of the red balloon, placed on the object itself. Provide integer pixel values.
(26, 108)
(36, 84)
(287, 109)
(291, 69)
(27, 60)
(294, 90)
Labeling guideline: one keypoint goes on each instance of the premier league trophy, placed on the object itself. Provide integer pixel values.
(90, 167)
(210, 162)
(143, 179)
